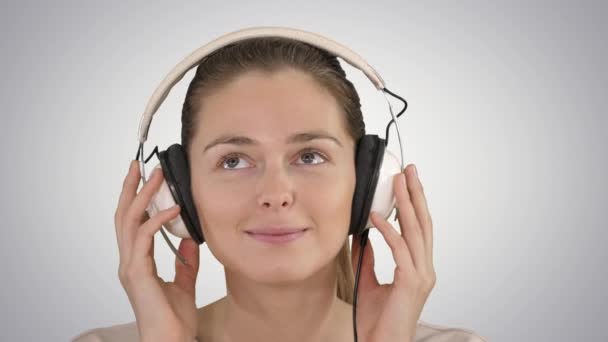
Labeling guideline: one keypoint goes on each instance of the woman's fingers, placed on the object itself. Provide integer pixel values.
(185, 275)
(422, 212)
(129, 189)
(408, 221)
(145, 234)
(399, 248)
(136, 212)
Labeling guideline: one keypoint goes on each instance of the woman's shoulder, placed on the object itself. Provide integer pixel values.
(427, 332)
(126, 332)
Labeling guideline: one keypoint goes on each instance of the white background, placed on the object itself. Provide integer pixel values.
(506, 124)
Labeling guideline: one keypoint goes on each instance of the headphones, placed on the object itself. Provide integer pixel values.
(375, 165)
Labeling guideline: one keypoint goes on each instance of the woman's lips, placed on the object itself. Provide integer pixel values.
(277, 238)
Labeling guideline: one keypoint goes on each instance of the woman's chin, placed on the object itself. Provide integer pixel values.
(279, 273)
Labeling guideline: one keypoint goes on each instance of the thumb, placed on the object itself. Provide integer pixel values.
(185, 275)
(368, 274)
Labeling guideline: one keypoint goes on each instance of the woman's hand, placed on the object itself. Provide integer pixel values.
(164, 311)
(390, 312)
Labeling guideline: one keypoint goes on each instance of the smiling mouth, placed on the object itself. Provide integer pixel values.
(277, 238)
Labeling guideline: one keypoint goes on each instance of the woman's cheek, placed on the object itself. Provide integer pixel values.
(218, 205)
(329, 198)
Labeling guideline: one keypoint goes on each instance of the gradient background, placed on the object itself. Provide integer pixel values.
(506, 125)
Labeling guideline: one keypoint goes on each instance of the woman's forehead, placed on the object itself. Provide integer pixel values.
(280, 102)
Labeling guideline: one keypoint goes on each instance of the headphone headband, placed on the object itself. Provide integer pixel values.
(195, 57)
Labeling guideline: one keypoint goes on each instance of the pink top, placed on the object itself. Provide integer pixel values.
(425, 332)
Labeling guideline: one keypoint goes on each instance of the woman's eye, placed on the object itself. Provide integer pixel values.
(232, 161)
(308, 157)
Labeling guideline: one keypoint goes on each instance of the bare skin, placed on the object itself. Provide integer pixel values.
(212, 317)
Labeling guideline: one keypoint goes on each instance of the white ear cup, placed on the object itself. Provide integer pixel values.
(163, 199)
(384, 198)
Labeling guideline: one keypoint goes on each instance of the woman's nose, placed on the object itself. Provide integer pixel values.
(275, 188)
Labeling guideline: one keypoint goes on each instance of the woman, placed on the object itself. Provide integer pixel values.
(270, 127)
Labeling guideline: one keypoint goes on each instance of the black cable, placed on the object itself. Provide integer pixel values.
(154, 152)
(364, 235)
(398, 115)
(362, 244)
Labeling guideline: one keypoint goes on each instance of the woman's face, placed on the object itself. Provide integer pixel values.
(272, 150)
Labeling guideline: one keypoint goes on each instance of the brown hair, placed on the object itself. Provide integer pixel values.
(271, 54)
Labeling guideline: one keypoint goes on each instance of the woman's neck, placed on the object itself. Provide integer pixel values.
(308, 311)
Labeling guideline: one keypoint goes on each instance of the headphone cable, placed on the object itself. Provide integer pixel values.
(362, 244)
(388, 126)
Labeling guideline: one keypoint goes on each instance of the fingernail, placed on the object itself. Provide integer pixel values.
(132, 166)
(155, 172)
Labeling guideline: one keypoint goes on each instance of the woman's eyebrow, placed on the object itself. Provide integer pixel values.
(292, 139)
